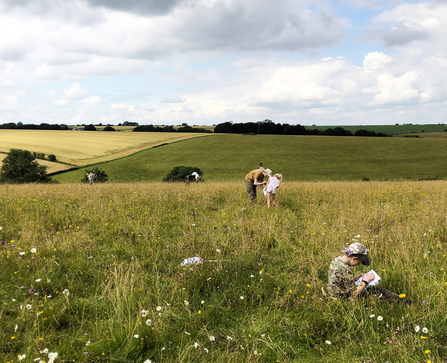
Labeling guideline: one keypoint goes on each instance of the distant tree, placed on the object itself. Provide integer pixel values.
(89, 128)
(224, 128)
(20, 166)
(101, 176)
(108, 128)
(179, 173)
(52, 157)
(340, 131)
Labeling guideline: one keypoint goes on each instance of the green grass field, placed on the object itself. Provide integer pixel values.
(92, 273)
(231, 157)
(389, 129)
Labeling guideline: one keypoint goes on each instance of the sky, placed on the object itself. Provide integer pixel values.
(204, 62)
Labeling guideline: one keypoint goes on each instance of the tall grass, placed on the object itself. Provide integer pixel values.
(105, 284)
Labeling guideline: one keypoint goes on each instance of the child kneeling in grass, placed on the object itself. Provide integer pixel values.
(341, 282)
(273, 184)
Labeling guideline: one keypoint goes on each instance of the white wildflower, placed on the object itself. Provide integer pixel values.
(33, 250)
(425, 330)
(144, 313)
(417, 328)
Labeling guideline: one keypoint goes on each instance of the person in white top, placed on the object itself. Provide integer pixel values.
(196, 175)
(273, 184)
(91, 177)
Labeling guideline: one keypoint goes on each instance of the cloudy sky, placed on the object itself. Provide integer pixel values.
(324, 62)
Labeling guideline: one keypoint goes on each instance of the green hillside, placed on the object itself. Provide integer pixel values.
(230, 157)
(388, 129)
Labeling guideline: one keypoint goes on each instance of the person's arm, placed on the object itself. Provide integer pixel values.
(365, 282)
(259, 183)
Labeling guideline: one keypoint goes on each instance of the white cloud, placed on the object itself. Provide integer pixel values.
(173, 99)
(74, 93)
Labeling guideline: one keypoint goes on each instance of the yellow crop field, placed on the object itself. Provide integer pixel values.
(80, 148)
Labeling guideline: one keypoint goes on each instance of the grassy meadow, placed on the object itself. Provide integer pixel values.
(80, 148)
(93, 273)
(312, 158)
(390, 129)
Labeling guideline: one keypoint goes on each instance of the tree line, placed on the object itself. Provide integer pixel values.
(183, 128)
(42, 126)
(269, 127)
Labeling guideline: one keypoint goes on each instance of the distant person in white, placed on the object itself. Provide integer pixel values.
(91, 177)
(196, 175)
(273, 184)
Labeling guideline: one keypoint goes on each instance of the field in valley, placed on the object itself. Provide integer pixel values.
(313, 158)
(390, 129)
(80, 148)
(93, 273)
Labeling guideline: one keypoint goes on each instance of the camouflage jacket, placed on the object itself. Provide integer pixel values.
(340, 279)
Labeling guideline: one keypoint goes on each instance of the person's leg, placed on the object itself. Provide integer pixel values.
(383, 293)
(273, 199)
(251, 190)
(268, 199)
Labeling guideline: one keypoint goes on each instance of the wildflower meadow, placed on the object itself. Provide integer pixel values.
(158, 272)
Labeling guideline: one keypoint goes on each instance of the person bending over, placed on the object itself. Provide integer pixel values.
(255, 178)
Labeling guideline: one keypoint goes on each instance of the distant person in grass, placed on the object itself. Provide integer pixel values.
(91, 177)
(272, 184)
(188, 180)
(341, 279)
(196, 176)
(261, 166)
(255, 178)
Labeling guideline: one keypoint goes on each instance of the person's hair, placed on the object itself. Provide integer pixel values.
(279, 176)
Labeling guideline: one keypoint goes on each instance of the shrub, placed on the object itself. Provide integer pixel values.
(101, 176)
(179, 173)
(89, 128)
(20, 166)
(52, 157)
(39, 155)
(109, 128)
